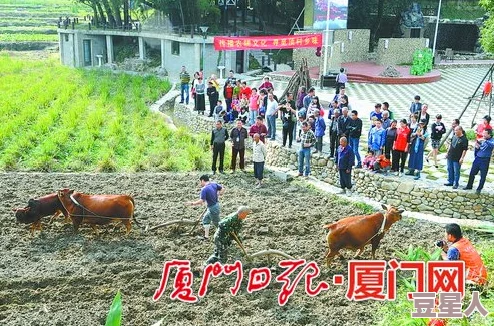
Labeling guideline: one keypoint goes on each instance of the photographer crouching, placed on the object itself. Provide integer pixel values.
(462, 249)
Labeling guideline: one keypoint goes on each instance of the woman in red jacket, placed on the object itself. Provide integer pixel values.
(400, 147)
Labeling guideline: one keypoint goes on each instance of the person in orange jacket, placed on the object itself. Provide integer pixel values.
(462, 249)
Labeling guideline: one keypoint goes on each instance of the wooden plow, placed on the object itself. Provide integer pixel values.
(267, 252)
(194, 223)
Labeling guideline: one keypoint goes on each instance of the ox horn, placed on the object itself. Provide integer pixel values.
(15, 210)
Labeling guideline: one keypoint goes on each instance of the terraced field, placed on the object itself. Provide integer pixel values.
(35, 20)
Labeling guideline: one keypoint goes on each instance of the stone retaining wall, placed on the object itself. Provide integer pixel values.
(185, 116)
(417, 196)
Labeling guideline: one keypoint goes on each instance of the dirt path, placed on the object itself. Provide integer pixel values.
(61, 278)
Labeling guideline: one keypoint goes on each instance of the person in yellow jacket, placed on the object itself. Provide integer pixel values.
(462, 249)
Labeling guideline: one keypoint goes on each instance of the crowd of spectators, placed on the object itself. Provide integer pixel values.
(395, 146)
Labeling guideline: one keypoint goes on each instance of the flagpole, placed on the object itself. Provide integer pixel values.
(326, 40)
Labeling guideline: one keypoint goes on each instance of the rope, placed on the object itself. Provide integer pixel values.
(381, 229)
(84, 208)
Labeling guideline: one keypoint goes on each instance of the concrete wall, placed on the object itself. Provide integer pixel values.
(352, 50)
(307, 53)
(67, 49)
(356, 44)
(71, 51)
(98, 47)
(399, 50)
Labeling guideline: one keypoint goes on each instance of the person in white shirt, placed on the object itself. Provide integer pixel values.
(258, 157)
(341, 79)
(271, 114)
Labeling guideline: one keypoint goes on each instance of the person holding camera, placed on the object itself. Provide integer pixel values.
(462, 249)
(483, 153)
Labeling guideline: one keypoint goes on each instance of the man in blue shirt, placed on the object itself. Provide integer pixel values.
(210, 196)
(482, 159)
(320, 131)
(377, 138)
(346, 160)
(416, 106)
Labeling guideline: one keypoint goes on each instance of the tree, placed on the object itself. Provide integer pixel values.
(187, 12)
(487, 31)
(109, 11)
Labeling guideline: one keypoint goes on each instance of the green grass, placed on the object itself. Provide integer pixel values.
(28, 37)
(61, 119)
(29, 16)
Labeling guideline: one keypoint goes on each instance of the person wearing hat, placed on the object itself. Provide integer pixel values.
(417, 144)
(437, 131)
(228, 230)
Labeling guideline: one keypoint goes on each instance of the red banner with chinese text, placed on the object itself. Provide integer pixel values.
(267, 42)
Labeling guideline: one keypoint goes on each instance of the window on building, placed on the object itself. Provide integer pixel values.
(175, 48)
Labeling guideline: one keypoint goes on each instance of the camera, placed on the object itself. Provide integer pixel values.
(440, 243)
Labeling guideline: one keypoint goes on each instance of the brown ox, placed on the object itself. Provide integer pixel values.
(38, 208)
(97, 209)
(355, 232)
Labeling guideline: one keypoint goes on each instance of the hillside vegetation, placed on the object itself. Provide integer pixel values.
(35, 20)
(56, 118)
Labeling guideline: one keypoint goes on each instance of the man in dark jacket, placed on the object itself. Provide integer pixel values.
(343, 122)
(212, 96)
(354, 131)
(218, 137)
(346, 160)
(333, 133)
(238, 135)
(437, 131)
(455, 156)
